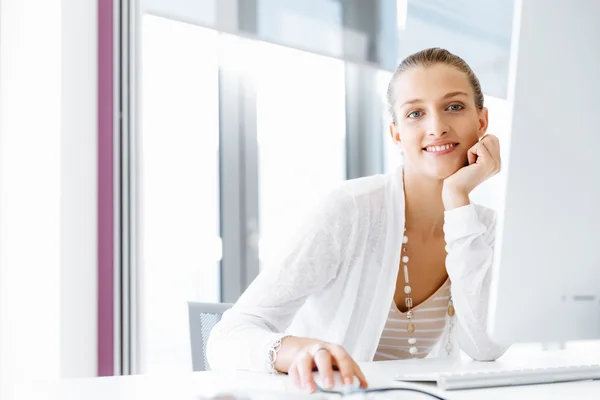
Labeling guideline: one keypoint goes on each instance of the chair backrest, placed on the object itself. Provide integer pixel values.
(203, 317)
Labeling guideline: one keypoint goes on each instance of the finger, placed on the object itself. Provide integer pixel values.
(324, 365)
(293, 373)
(493, 160)
(483, 151)
(489, 139)
(344, 363)
(493, 147)
(361, 377)
(472, 153)
(353, 370)
(305, 367)
(486, 156)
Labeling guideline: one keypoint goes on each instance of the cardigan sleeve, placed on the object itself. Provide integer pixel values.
(246, 332)
(470, 233)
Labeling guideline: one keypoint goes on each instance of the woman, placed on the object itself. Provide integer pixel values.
(390, 266)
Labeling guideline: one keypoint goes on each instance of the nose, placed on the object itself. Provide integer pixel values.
(437, 126)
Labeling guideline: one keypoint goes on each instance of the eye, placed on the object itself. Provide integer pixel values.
(455, 107)
(414, 114)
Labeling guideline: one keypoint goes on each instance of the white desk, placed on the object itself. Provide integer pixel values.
(200, 384)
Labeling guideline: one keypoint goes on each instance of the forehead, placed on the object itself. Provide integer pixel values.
(430, 83)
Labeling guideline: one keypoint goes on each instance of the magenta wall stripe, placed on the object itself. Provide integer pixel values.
(105, 190)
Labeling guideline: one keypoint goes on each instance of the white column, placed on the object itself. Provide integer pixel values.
(79, 267)
(30, 188)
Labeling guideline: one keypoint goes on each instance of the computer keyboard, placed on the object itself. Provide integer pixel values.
(505, 377)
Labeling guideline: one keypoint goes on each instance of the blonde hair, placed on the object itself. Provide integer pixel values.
(428, 58)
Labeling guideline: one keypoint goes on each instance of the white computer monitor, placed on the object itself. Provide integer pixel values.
(546, 275)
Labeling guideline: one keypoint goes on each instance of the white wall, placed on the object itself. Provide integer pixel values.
(48, 190)
(30, 182)
(79, 189)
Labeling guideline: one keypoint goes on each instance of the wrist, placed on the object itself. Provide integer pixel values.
(454, 198)
(291, 348)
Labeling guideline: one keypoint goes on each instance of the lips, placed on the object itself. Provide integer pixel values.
(439, 148)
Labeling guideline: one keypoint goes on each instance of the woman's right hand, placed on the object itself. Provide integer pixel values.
(324, 357)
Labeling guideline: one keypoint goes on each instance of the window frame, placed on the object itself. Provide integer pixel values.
(120, 340)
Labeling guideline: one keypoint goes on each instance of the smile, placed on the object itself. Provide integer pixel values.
(439, 150)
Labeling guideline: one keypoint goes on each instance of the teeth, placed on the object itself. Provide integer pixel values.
(439, 148)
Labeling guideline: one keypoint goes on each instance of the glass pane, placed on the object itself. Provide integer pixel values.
(391, 151)
(478, 31)
(309, 24)
(301, 137)
(202, 12)
(180, 185)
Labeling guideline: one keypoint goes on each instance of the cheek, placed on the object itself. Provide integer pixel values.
(469, 139)
(463, 159)
(411, 139)
(412, 145)
(467, 129)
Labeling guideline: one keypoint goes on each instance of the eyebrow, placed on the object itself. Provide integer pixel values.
(446, 96)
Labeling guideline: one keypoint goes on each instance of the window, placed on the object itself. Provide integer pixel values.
(285, 21)
(301, 137)
(180, 245)
(391, 152)
(237, 122)
(480, 32)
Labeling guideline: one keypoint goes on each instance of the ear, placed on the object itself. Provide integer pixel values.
(483, 122)
(394, 133)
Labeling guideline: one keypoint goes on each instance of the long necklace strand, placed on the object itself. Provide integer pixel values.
(408, 302)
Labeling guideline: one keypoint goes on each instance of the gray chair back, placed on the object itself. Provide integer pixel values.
(203, 317)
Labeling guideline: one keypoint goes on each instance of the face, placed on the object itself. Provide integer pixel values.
(437, 120)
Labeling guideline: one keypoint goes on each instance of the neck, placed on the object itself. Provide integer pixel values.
(424, 206)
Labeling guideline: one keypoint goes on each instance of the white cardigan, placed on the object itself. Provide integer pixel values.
(337, 279)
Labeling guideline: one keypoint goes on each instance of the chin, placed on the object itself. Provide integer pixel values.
(441, 171)
(440, 175)
(438, 169)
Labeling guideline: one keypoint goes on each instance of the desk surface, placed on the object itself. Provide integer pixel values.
(201, 385)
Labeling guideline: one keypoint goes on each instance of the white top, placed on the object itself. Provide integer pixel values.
(336, 280)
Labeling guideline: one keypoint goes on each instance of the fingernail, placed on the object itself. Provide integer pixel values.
(348, 380)
(328, 382)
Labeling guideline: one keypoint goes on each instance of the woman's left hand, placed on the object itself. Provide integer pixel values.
(484, 162)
